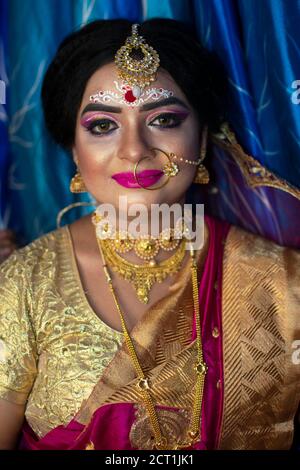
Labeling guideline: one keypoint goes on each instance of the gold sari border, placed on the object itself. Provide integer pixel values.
(261, 295)
(253, 171)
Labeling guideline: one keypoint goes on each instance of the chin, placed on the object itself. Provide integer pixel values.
(146, 198)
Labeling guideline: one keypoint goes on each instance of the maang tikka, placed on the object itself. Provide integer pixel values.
(137, 64)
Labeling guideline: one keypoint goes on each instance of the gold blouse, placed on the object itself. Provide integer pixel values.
(53, 347)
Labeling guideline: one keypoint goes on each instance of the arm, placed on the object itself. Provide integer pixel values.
(18, 355)
(11, 420)
(296, 440)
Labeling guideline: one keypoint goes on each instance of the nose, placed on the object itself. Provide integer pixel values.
(134, 146)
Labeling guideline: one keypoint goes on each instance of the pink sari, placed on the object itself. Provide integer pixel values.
(113, 417)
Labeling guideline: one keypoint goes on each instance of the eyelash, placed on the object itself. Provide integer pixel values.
(177, 121)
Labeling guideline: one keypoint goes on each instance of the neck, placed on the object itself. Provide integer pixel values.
(151, 221)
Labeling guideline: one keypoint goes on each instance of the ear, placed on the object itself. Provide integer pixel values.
(204, 134)
(75, 158)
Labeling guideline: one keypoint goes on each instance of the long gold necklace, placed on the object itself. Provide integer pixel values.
(194, 434)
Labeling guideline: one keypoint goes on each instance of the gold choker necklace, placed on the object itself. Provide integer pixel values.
(146, 247)
(144, 385)
(142, 276)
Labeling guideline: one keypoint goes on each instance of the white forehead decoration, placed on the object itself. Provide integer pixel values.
(137, 63)
(131, 96)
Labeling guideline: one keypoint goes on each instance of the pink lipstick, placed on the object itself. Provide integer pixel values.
(146, 178)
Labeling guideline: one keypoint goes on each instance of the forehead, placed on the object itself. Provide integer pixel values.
(105, 76)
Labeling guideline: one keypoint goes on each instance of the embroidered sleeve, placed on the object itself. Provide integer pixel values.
(18, 355)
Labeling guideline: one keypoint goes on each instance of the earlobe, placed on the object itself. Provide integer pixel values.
(203, 139)
(75, 158)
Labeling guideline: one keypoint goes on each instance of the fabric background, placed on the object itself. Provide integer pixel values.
(258, 41)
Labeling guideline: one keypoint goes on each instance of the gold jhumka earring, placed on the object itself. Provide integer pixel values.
(77, 184)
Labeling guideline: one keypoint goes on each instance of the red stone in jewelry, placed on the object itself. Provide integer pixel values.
(129, 96)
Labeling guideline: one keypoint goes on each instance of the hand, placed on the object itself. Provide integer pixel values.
(7, 244)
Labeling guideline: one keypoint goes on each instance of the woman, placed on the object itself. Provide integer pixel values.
(116, 343)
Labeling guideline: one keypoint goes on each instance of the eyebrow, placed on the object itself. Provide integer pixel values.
(145, 107)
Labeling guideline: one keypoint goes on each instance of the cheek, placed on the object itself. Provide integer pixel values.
(90, 157)
(186, 175)
(186, 147)
(184, 143)
(191, 143)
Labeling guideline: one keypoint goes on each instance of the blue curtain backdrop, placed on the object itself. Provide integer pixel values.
(4, 147)
(259, 43)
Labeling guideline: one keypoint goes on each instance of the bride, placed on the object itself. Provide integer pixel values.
(121, 340)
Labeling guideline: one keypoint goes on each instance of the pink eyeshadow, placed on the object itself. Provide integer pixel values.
(90, 117)
(181, 114)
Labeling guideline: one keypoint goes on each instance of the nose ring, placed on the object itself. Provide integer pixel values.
(169, 169)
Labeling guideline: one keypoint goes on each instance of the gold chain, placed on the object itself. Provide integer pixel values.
(144, 385)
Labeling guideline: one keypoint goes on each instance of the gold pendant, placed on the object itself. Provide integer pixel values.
(90, 446)
(142, 277)
(162, 444)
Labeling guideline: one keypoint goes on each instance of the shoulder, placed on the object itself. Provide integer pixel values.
(44, 249)
(243, 244)
(262, 270)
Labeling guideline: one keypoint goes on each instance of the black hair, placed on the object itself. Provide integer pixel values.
(198, 72)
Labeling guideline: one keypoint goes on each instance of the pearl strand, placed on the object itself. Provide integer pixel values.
(185, 160)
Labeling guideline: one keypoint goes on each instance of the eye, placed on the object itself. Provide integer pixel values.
(168, 120)
(101, 126)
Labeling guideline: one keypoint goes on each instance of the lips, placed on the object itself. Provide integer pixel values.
(146, 178)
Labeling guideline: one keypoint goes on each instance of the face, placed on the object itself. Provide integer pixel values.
(111, 138)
